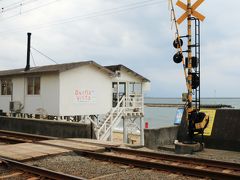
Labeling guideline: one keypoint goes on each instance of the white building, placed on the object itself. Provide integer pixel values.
(80, 89)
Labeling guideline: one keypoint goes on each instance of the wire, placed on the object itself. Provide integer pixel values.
(33, 59)
(94, 14)
(30, 10)
(17, 5)
(13, 4)
(44, 55)
(178, 38)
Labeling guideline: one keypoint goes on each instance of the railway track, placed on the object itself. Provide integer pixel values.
(171, 163)
(23, 171)
(17, 137)
(177, 164)
(197, 167)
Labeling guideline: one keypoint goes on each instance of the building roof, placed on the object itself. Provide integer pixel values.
(118, 67)
(52, 68)
(110, 70)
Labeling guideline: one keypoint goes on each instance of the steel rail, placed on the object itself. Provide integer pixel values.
(163, 166)
(160, 166)
(189, 170)
(169, 157)
(26, 135)
(13, 140)
(39, 171)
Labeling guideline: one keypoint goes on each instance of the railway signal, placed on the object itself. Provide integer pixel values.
(197, 121)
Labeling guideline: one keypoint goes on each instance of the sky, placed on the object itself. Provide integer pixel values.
(135, 33)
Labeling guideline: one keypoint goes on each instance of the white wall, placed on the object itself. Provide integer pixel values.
(18, 94)
(126, 76)
(146, 86)
(90, 79)
(48, 100)
(18, 89)
(4, 103)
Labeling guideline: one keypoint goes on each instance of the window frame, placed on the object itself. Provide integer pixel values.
(9, 87)
(35, 86)
(135, 88)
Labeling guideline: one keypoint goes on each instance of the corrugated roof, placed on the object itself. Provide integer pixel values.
(52, 68)
(118, 67)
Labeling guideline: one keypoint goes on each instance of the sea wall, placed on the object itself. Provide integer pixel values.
(154, 138)
(225, 131)
(224, 135)
(46, 127)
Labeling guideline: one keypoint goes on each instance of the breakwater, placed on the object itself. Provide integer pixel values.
(182, 105)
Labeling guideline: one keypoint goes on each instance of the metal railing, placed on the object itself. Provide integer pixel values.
(111, 119)
(130, 104)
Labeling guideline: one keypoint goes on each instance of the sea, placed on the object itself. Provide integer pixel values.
(158, 117)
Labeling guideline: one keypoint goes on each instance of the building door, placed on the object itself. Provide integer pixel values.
(119, 90)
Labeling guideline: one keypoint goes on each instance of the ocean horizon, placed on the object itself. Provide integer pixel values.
(158, 117)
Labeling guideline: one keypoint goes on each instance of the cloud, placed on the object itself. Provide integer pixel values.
(140, 38)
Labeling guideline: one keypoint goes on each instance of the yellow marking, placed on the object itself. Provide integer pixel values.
(182, 18)
(198, 15)
(193, 12)
(196, 4)
(211, 113)
(182, 5)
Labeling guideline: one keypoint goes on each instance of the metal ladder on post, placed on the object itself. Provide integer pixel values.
(196, 45)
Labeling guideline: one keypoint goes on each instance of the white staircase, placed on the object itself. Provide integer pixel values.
(126, 107)
(104, 129)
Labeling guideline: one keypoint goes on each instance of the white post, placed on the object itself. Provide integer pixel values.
(125, 132)
(142, 131)
(117, 92)
(111, 129)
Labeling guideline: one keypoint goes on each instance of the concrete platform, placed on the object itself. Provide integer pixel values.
(27, 151)
(73, 145)
(96, 142)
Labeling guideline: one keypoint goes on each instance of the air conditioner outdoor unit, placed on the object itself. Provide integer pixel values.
(15, 106)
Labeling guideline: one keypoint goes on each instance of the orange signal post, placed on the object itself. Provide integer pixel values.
(189, 14)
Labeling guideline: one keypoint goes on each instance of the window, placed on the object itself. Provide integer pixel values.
(33, 86)
(135, 88)
(6, 87)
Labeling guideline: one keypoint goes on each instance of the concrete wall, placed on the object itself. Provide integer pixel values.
(225, 132)
(47, 128)
(154, 138)
(85, 90)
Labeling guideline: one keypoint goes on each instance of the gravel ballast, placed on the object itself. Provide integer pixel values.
(73, 164)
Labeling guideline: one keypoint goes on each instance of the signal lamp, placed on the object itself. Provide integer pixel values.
(177, 43)
(195, 81)
(178, 57)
